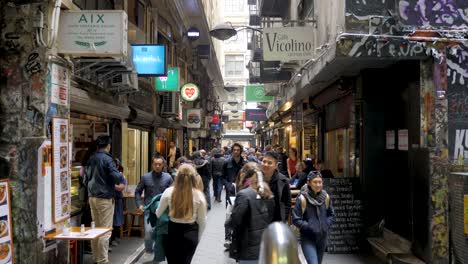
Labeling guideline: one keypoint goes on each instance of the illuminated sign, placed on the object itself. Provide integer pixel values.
(193, 33)
(190, 92)
(150, 60)
(170, 82)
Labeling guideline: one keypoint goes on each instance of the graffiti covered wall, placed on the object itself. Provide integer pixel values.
(434, 13)
(23, 108)
(457, 94)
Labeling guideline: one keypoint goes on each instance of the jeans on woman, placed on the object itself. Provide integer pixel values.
(313, 252)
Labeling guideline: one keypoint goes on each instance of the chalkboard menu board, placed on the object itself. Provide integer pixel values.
(346, 233)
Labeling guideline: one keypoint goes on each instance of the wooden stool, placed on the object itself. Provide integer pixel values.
(141, 225)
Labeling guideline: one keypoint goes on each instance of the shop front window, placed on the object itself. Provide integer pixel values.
(338, 156)
(137, 154)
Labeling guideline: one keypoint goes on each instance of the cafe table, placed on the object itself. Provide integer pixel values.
(75, 235)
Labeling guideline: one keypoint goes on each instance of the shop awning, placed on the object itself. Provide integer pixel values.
(81, 101)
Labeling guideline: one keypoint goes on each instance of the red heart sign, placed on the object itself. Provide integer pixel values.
(190, 92)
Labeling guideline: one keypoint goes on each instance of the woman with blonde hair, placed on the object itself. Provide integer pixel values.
(187, 216)
(252, 213)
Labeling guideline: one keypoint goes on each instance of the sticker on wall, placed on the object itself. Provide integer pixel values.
(190, 92)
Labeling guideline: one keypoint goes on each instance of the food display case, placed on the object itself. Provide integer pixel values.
(76, 202)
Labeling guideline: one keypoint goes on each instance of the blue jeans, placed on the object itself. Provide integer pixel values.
(206, 190)
(149, 242)
(313, 252)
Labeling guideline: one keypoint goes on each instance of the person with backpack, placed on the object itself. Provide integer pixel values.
(313, 215)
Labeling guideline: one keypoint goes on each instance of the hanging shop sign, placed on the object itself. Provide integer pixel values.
(288, 43)
(390, 139)
(170, 82)
(255, 115)
(96, 33)
(256, 93)
(193, 33)
(150, 60)
(6, 233)
(61, 181)
(59, 84)
(215, 126)
(215, 118)
(194, 118)
(403, 139)
(190, 92)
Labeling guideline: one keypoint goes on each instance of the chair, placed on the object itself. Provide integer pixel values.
(137, 214)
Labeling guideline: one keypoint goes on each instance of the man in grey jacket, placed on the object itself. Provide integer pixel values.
(152, 183)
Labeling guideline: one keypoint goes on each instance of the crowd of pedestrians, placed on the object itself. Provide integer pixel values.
(177, 199)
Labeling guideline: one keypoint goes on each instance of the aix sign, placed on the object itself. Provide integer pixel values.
(93, 33)
(190, 92)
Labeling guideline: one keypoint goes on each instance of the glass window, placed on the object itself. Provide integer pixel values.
(338, 155)
(234, 6)
(238, 39)
(234, 65)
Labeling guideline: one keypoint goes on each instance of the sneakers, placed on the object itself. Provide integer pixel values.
(227, 244)
(114, 243)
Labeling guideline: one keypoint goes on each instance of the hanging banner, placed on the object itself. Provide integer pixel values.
(190, 92)
(194, 118)
(60, 169)
(288, 43)
(256, 93)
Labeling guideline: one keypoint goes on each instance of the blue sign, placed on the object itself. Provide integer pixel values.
(255, 115)
(150, 60)
(214, 126)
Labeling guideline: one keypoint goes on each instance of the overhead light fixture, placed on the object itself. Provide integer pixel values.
(226, 31)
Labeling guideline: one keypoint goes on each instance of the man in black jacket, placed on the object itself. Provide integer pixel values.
(102, 179)
(279, 185)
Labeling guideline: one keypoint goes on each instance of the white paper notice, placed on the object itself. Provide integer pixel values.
(403, 139)
(60, 84)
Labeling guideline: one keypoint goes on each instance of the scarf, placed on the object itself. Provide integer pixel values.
(316, 199)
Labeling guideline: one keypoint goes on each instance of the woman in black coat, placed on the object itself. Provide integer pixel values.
(252, 213)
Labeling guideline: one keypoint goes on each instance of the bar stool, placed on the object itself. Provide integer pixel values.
(74, 251)
(141, 225)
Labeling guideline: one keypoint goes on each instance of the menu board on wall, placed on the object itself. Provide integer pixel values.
(346, 233)
(61, 171)
(6, 234)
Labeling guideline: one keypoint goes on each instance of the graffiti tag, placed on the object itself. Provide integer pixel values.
(33, 65)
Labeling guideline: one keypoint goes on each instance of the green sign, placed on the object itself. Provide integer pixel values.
(169, 83)
(256, 93)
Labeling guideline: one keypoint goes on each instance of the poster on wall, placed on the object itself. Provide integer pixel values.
(59, 84)
(194, 118)
(403, 139)
(60, 170)
(44, 191)
(390, 139)
(6, 234)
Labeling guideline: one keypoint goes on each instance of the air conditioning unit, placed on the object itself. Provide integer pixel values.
(170, 104)
(125, 82)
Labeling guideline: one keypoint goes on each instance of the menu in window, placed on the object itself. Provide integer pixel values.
(6, 235)
(61, 169)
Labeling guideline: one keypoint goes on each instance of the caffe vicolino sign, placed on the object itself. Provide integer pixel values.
(287, 44)
(190, 92)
